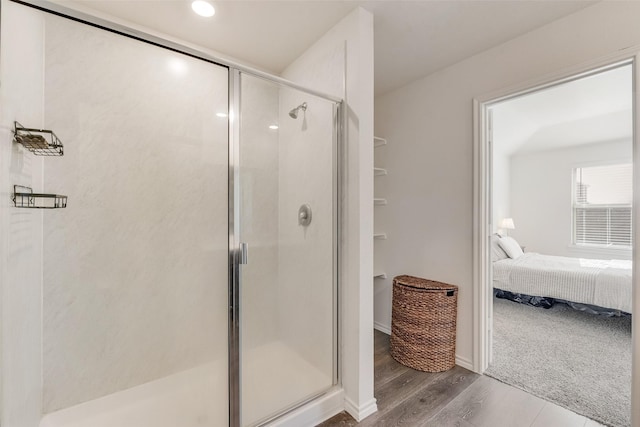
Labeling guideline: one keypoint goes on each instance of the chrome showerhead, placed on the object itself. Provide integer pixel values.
(294, 113)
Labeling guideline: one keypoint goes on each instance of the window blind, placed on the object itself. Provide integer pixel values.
(602, 203)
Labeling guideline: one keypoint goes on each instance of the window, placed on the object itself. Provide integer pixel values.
(602, 199)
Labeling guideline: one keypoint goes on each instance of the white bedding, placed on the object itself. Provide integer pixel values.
(606, 283)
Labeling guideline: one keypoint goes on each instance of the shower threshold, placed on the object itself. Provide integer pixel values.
(195, 398)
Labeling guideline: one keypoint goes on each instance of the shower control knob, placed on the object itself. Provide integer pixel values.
(304, 215)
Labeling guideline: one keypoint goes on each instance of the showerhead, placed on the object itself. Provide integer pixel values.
(294, 113)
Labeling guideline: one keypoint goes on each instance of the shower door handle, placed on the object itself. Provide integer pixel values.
(244, 253)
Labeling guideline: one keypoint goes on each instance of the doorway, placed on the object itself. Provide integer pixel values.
(515, 199)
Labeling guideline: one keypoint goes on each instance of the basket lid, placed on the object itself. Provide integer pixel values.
(426, 284)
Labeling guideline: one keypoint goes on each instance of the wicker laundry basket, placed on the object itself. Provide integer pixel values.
(423, 323)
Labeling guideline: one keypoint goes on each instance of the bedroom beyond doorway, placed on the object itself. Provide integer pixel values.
(560, 205)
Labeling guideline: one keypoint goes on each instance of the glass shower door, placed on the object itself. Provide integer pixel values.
(287, 220)
(134, 270)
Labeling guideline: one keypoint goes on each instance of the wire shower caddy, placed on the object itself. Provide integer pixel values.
(41, 142)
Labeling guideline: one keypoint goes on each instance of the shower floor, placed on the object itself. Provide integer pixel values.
(198, 397)
(275, 377)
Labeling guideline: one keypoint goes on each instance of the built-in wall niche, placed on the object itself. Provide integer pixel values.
(379, 201)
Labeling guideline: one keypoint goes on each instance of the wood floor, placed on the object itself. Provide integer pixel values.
(457, 397)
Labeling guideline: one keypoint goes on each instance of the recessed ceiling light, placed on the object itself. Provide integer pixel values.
(221, 114)
(274, 127)
(203, 8)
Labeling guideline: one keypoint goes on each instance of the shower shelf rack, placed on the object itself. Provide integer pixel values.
(379, 171)
(24, 197)
(41, 142)
(379, 142)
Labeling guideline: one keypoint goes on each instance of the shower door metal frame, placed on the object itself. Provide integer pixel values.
(236, 255)
(234, 250)
(234, 273)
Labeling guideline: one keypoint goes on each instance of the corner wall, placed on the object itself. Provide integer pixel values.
(341, 64)
(429, 125)
(21, 99)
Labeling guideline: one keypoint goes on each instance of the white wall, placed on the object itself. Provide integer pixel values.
(501, 186)
(135, 268)
(429, 124)
(541, 197)
(21, 99)
(341, 63)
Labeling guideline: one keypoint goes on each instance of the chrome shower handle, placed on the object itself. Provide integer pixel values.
(244, 254)
(304, 215)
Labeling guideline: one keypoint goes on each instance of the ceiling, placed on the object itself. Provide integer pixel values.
(412, 38)
(416, 38)
(585, 111)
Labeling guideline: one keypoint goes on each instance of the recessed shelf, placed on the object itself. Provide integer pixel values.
(41, 142)
(379, 142)
(24, 197)
(379, 201)
(379, 171)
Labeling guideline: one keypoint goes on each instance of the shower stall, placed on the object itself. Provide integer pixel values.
(191, 278)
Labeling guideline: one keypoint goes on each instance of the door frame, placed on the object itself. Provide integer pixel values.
(482, 209)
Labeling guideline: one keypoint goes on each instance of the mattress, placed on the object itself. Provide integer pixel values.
(605, 283)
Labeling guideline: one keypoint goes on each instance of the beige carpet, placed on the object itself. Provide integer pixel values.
(577, 360)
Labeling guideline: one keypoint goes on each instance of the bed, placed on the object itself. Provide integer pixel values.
(599, 283)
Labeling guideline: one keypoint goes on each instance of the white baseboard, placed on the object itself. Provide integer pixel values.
(464, 362)
(382, 328)
(315, 412)
(361, 412)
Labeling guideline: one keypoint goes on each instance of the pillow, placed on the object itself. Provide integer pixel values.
(497, 253)
(510, 246)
